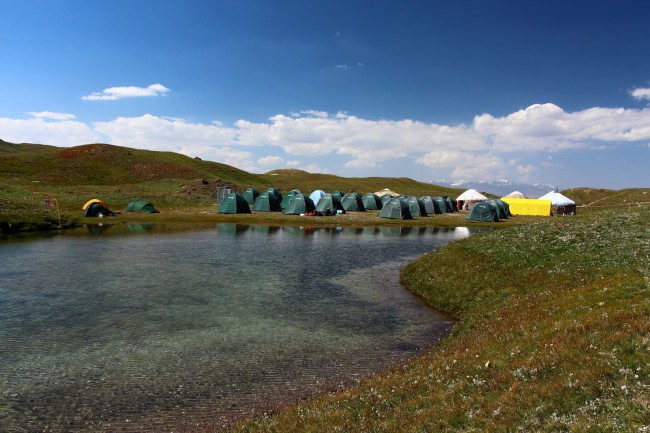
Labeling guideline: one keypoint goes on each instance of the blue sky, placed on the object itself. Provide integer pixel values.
(552, 92)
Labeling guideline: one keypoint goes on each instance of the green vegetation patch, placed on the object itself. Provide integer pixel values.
(554, 335)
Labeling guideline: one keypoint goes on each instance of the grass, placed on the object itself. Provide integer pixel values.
(553, 335)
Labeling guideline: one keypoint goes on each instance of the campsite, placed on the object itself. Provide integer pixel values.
(550, 333)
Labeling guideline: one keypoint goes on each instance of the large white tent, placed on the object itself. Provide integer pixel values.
(468, 198)
(560, 204)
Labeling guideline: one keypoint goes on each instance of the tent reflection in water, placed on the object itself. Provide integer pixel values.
(234, 203)
(140, 206)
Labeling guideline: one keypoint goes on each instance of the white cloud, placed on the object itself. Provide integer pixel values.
(52, 115)
(56, 133)
(115, 93)
(640, 94)
(271, 160)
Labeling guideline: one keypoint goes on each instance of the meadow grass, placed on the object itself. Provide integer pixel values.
(553, 335)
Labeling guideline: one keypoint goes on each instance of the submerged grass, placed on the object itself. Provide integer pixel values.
(553, 335)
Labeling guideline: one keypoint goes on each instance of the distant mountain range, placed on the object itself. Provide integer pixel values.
(499, 187)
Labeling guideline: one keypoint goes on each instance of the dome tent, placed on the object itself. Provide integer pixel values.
(353, 202)
(267, 202)
(396, 208)
(250, 195)
(329, 204)
(371, 201)
(316, 196)
(429, 207)
(439, 205)
(560, 205)
(98, 209)
(288, 197)
(234, 203)
(140, 206)
(416, 206)
(299, 204)
(482, 211)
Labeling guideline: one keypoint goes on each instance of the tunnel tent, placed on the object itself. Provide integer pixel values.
(329, 204)
(371, 201)
(416, 206)
(299, 204)
(396, 208)
(250, 195)
(316, 196)
(98, 209)
(482, 211)
(234, 203)
(266, 202)
(288, 197)
(140, 206)
(353, 202)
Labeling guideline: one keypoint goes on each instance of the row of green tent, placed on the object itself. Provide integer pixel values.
(321, 203)
(489, 211)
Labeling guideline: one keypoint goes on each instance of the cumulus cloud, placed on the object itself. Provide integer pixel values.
(115, 93)
(52, 115)
(271, 160)
(488, 147)
(640, 94)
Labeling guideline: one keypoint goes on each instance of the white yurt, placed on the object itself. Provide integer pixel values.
(560, 204)
(468, 198)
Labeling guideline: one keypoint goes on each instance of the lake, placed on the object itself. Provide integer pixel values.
(136, 328)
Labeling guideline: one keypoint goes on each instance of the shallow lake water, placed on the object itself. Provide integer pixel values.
(133, 328)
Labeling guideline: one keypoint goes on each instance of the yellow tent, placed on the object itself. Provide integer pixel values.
(91, 201)
(528, 206)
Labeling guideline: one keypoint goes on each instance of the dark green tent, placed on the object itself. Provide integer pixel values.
(234, 203)
(267, 202)
(371, 201)
(141, 206)
(451, 207)
(299, 204)
(416, 206)
(428, 204)
(385, 199)
(353, 202)
(396, 208)
(338, 195)
(288, 197)
(98, 209)
(439, 205)
(329, 205)
(501, 208)
(250, 195)
(481, 211)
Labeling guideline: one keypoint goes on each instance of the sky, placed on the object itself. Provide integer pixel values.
(553, 92)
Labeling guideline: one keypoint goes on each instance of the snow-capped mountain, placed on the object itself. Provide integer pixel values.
(499, 187)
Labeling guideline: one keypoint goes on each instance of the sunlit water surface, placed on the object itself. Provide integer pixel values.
(134, 329)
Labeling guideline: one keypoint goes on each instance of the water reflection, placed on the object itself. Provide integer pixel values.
(179, 328)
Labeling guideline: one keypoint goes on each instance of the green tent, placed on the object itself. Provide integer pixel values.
(396, 208)
(416, 206)
(439, 205)
(299, 204)
(250, 195)
(482, 211)
(451, 207)
(338, 195)
(353, 202)
(234, 203)
(98, 209)
(329, 204)
(140, 206)
(371, 201)
(287, 198)
(428, 205)
(501, 208)
(267, 202)
(385, 199)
